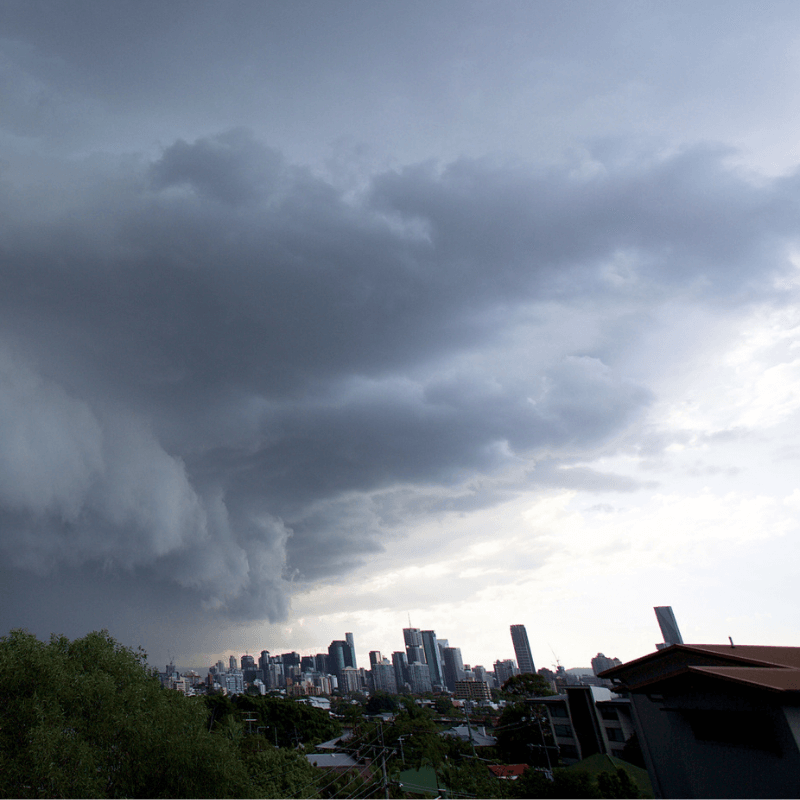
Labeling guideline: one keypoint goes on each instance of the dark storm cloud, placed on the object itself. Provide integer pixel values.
(213, 363)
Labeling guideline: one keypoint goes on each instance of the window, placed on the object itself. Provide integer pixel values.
(615, 735)
(563, 730)
(569, 751)
(559, 710)
(609, 713)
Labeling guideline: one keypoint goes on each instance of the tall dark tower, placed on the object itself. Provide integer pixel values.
(352, 645)
(669, 626)
(522, 648)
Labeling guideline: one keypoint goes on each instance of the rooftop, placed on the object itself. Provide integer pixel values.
(766, 667)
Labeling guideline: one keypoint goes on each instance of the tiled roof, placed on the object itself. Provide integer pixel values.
(764, 667)
(507, 770)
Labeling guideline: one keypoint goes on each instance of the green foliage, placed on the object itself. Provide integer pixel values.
(618, 784)
(351, 713)
(526, 685)
(380, 702)
(290, 722)
(569, 783)
(469, 777)
(444, 705)
(522, 734)
(85, 718)
(280, 772)
(565, 784)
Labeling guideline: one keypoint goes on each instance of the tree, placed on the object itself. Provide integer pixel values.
(527, 685)
(524, 736)
(381, 701)
(444, 705)
(86, 718)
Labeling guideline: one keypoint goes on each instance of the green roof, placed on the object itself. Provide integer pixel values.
(600, 762)
(421, 781)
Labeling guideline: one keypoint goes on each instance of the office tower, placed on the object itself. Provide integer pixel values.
(248, 662)
(350, 680)
(338, 656)
(232, 662)
(307, 664)
(400, 664)
(383, 677)
(600, 663)
(263, 663)
(321, 663)
(414, 649)
(522, 649)
(374, 658)
(669, 626)
(503, 670)
(351, 644)
(433, 657)
(419, 678)
(453, 667)
(412, 637)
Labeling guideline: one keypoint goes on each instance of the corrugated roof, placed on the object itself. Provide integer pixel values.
(759, 666)
(781, 679)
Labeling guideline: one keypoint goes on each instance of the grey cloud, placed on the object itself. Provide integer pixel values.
(218, 364)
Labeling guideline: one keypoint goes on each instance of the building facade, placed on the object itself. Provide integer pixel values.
(522, 649)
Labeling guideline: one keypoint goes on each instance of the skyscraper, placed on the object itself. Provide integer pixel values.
(414, 648)
(433, 657)
(669, 626)
(400, 663)
(453, 667)
(522, 649)
(351, 644)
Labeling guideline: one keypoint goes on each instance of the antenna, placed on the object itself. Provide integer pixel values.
(409, 619)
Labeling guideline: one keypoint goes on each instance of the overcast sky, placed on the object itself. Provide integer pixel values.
(315, 315)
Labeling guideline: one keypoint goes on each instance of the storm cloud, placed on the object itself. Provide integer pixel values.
(292, 293)
(210, 377)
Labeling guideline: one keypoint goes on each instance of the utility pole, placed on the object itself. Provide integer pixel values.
(469, 728)
(383, 763)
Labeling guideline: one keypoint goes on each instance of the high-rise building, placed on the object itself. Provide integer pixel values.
(600, 663)
(503, 670)
(412, 637)
(480, 674)
(433, 657)
(414, 649)
(374, 658)
(669, 626)
(383, 677)
(263, 663)
(419, 677)
(400, 663)
(351, 644)
(522, 649)
(338, 657)
(453, 667)
(349, 680)
(321, 663)
(232, 662)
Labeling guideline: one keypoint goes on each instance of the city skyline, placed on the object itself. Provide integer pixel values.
(317, 315)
